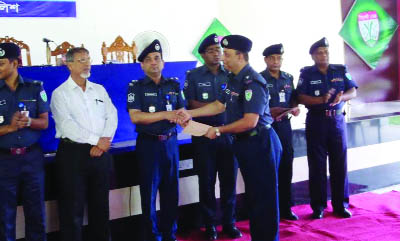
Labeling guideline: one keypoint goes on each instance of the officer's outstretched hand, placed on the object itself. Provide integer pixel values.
(183, 117)
(337, 99)
(295, 111)
(211, 133)
(104, 143)
(95, 151)
(14, 121)
(171, 116)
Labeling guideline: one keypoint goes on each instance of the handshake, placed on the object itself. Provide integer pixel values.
(180, 116)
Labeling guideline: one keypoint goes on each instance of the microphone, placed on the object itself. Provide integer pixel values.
(47, 40)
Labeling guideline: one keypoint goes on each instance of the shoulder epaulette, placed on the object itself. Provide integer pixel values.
(133, 82)
(305, 68)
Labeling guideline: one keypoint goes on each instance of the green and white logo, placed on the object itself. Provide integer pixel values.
(248, 94)
(368, 30)
(43, 95)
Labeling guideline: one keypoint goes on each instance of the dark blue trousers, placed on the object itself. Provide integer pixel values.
(284, 131)
(159, 170)
(22, 174)
(258, 158)
(326, 137)
(212, 157)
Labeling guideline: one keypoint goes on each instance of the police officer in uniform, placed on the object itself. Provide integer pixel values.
(282, 99)
(255, 144)
(211, 156)
(324, 88)
(23, 113)
(152, 104)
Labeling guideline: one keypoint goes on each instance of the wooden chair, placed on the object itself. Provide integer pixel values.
(61, 50)
(21, 45)
(117, 51)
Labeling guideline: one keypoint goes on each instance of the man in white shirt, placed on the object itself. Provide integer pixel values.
(86, 121)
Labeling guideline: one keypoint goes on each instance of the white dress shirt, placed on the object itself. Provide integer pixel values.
(83, 116)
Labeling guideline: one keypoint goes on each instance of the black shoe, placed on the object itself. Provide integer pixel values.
(317, 214)
(232, 231)
(344, 213)
(289, 215)
(211, 233)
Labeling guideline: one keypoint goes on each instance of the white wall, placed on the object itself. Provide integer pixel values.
(296, 24)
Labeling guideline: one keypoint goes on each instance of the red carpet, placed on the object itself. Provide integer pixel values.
(375, 217)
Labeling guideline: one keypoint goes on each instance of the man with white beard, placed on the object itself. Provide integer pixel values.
(86, 121)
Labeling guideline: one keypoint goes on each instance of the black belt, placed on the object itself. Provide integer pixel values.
(254, 132)
(328, 113)
(158, 137)
(69, 141)
(16, 151)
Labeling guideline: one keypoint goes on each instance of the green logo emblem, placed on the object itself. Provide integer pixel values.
(43, 95)
(368, 30)
(248, 94)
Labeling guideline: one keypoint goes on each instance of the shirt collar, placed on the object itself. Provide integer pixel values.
(19, 79)
(204, 69)
(243, 72)
(148, 80)
(72, 84)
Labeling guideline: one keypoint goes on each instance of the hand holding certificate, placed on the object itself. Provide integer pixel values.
(196, 128)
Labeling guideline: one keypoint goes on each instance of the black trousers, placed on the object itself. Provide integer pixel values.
(212, 157)
(284, 131)
(82, 179)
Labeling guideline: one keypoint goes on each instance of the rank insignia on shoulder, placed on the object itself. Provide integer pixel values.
(37, 82)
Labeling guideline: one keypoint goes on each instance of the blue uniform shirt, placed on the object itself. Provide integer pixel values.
(313, 83)
(281, 90)
(246, 93)
(31, 94)
(146, 96)
(203, 86)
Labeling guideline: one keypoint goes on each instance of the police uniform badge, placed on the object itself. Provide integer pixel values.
(131, 97)
(43, 95)
(316, 93)
(2, 52)
(248, 94)
(152, 109)
(1, 119)
(205, 96)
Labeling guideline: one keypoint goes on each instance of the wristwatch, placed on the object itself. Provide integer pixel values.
(217, 133)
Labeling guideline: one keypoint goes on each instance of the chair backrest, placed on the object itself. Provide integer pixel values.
(59, 53)
(117, 51)
(21, 45)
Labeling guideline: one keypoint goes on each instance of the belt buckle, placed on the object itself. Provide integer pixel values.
(162, 137)
(18, 151)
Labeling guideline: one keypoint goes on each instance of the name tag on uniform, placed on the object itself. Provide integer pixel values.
(150, 94)
(3, 102)
(315, 82)
(169, 107)
(282, 97)
(206, 84)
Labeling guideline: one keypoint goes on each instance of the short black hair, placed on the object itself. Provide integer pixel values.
(69, 57)
(245, 55)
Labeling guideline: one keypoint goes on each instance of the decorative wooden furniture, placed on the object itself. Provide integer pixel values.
(61, 50)
(118, 49)
(22, 45)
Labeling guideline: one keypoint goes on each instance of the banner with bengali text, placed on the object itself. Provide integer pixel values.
(34, 8)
